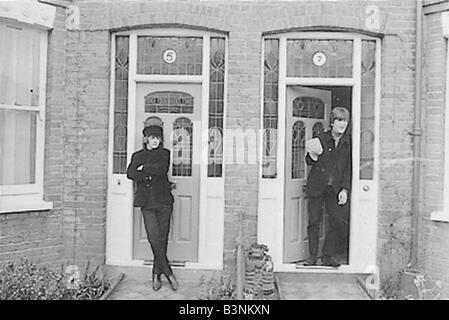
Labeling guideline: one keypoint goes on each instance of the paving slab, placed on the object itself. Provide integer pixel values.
(319, 286)
(137, 284)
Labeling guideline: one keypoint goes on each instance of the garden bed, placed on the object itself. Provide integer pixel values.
(24, 280)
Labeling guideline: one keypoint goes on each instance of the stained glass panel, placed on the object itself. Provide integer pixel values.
(298, 150)
(270, 110)
(186, 54)
(337, 63)
(168, 102)
(308, 107)
(121, 104)
(368, 70)
(182, 147)
(216, 107)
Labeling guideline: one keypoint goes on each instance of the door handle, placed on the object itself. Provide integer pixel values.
(365, 188)
(173, 185)
(303, 188)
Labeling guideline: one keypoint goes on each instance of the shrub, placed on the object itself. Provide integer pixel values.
(24, 280)
(222, 289)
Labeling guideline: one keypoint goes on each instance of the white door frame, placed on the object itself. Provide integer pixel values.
(363, 236)
(119, 215)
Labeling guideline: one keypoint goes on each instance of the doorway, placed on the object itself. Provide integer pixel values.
(177, 109)
(308, 111)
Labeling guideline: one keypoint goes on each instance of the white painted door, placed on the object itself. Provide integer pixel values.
(177, 108)
(307, 113)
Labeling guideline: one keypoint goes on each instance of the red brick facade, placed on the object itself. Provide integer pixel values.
(78, 118)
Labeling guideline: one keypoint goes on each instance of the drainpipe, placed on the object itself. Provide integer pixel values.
(417, 134)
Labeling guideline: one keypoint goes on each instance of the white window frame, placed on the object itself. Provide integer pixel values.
(443, 215)
(29, 197)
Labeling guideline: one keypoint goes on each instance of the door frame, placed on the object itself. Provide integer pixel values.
(271, 202)
(119, 225)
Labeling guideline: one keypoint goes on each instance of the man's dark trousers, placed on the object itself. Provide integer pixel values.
(338, 223)
(157, 226)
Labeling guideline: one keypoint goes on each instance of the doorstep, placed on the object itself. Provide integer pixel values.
(319, 286)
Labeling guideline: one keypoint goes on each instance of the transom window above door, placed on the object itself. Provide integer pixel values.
(319, 58)
(169, 55)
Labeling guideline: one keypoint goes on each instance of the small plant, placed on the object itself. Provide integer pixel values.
(222, 289)
(24, 280)
(410, 285)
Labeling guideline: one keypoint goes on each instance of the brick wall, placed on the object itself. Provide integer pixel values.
(86, 114)
(434, 236)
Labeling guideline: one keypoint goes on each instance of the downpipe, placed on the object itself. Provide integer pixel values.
(417, 135)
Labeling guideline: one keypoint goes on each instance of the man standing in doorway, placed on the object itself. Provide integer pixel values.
(329, 186)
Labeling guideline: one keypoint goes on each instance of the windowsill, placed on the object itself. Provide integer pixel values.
(440, 216)
(27, 207)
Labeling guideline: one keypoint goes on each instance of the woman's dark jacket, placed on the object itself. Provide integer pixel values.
(333, 166)
(152, 185)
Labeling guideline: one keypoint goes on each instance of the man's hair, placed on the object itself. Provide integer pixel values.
(339, 112)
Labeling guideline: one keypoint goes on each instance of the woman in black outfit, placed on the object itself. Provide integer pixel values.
(148, 168)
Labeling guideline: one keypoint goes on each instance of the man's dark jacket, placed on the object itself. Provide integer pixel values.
(335, 162)
(153, 187)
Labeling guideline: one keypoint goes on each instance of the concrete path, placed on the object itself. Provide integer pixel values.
(319, 286)
(136, 285)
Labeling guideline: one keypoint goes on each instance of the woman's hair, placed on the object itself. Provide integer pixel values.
(340, 112)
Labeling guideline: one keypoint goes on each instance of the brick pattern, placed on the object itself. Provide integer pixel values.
(86, 120)
(433, 253)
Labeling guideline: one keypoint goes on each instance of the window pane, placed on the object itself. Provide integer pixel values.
(298, 150)
(169, 102)
(169, 55)
(182, 148)
(270, 108)
(337, 60)
(17, 147)
(121, 104)
(216, 102)
(367, 109)
(19, 66)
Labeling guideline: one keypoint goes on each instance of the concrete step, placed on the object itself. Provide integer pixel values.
(319, 286)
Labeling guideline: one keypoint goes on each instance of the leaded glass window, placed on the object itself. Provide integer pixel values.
(168, 102)
(169, 55)
(216, 107)
(317, 129)
(121, 104)
(182, 147)
(335, 56)
(367, 109)
(308, 107)
(298, 150)
(270, 108)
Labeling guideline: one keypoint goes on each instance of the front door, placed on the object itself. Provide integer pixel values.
(177, 108)
(307, 114)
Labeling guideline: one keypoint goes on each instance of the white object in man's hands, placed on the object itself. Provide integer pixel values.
(314, 147)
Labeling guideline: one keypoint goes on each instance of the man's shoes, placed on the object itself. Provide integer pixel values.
(173, 282)
(329, 261)
(157, 283)
(310, 261)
